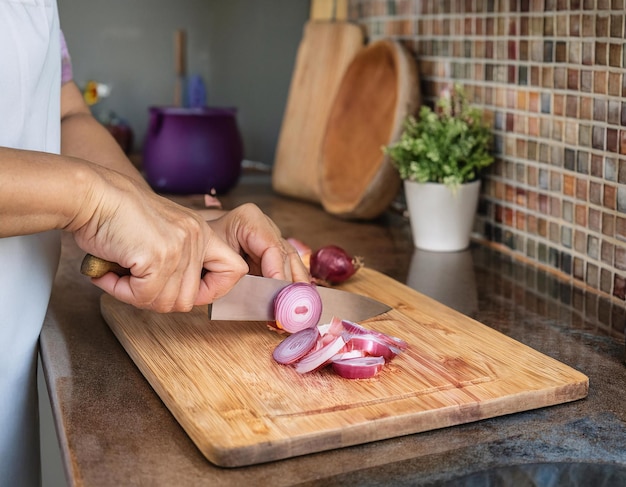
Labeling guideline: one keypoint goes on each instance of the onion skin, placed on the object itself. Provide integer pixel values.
(333, 265)
(297, 306)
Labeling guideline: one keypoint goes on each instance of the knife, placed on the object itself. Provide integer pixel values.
(93, 266)
(252, 298)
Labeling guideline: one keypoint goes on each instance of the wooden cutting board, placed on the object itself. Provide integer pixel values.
(326, 49)
(241, 408)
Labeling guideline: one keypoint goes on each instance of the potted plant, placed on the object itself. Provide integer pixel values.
(440, 155)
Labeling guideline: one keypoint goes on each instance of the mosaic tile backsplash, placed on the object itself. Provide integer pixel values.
(550, 73)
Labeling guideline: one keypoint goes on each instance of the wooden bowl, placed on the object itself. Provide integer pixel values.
(379, 89)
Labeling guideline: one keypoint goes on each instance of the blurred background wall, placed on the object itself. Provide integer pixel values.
(244, 50)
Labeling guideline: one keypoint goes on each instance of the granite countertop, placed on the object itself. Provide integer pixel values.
(114, 430)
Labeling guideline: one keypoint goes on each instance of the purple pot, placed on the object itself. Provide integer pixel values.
(192, 150)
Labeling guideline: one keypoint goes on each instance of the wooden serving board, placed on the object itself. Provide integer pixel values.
(241, 408)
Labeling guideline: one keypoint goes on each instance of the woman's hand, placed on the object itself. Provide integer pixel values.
(164, 245)
(256, 237)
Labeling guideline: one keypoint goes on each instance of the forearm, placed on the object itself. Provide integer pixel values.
(82, 136)
(40, 191)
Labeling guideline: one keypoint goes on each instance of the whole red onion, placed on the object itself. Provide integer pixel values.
(332, 265)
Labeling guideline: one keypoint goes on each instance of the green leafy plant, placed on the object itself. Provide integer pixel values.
(450, 145)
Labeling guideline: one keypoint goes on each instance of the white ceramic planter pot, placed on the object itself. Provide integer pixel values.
(441, 218)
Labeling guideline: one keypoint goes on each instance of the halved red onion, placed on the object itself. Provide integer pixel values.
(317, 358)
(297, 306)
(296, 346)
(359, 368)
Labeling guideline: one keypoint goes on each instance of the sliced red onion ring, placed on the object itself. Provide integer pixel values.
(297, 306)
(372, 345)
(296, 346)
(359, 368)
(356, 329)
(317, 358)
(355, 352)
(336, 327)
(347, 355)
(323, 329)
(326, 339)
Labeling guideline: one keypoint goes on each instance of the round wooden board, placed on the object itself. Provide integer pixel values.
(379, 89)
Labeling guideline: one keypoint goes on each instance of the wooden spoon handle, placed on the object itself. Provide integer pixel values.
(93, 266)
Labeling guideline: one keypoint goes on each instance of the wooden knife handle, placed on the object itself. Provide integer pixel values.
(93, 266)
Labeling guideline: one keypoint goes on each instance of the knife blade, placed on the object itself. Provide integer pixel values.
(252, 299)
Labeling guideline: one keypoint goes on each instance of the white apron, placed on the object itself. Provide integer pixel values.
(30, 67)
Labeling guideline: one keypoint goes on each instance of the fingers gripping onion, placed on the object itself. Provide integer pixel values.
(297, 306)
